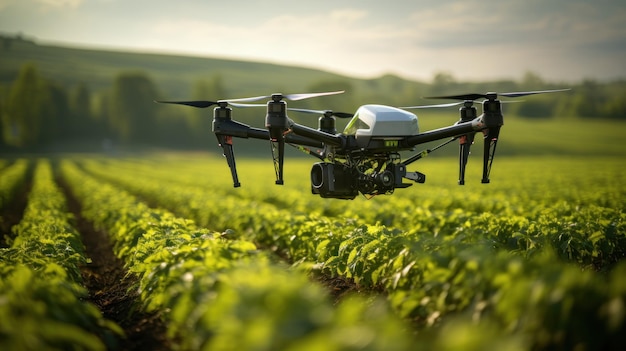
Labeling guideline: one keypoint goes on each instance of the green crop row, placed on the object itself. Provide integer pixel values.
(42, 300)
(591, 235)
(446, 264)
(224, 294)
(520, 187)
(587, 225)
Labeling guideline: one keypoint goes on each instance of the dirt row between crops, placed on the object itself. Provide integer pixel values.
(338, 287)
(12, 214)
(110, 286)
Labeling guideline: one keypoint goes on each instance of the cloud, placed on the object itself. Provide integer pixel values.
(60, 3)
(41, 5)
(510, 24)
(285, 33)
(355, 37)
(348, 15)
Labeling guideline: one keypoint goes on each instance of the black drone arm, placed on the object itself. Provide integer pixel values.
(445, 132)
(241, 130)
(225, 129)
(314, 134)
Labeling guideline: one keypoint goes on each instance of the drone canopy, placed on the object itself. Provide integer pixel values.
(379, 121)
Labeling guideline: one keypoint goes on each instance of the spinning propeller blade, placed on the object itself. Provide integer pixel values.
(451, 104)
(280, 96)
(235, 102)
(198, 104)
(432, 106)
(524, 93)
(207, 103)
(323, 112)
(494, 95)
(296, 97)
(246, 105)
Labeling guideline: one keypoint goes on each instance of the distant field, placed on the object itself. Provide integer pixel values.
(551, 136)
(519, 136)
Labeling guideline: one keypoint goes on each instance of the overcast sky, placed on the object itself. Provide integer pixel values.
(561, 40)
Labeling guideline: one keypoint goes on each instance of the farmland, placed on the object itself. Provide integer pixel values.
(533, 260)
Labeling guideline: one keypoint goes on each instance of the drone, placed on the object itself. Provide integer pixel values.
(365, 158)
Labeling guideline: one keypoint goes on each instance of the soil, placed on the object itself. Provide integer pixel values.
(12, 214)
(111, 287)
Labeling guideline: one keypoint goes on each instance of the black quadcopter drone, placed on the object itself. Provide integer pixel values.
(364, 158)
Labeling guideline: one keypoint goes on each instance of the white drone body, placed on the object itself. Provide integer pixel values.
(380, 122)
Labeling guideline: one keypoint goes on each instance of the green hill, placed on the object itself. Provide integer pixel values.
(175, 74)
(550, 126)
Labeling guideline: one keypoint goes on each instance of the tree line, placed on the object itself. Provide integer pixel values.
(37, 113)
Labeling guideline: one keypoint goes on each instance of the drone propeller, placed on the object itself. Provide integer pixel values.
(468, 103)
(296, 97)
(493, 96)
(235, 102)
(198, 104)
(280, 96)
(325, 113)
(433, 106)
(206, 103)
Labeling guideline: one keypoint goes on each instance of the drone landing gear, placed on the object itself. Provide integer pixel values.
(226, 142)
(465, 142)
(491, 140)
(278, 159)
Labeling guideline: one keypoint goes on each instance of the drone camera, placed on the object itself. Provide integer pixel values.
(332, 180)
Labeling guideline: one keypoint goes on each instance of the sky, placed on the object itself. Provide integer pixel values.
(478, 40)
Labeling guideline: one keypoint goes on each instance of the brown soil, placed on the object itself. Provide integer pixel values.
(111, 288)
(12, 214)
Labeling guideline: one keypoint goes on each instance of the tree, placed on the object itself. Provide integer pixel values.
(81, 120)
(532, 81)
(26, 105)
(201, 119)
(56, 118)
(133, 113)
(443, 83)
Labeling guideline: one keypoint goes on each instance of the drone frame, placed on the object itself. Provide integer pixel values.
(347, 168)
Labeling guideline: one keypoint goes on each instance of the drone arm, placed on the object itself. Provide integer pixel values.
(301, 140)
(237, 129)
(445, 132)
(314, 134)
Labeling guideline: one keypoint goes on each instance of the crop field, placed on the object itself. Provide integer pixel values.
(159, 251)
